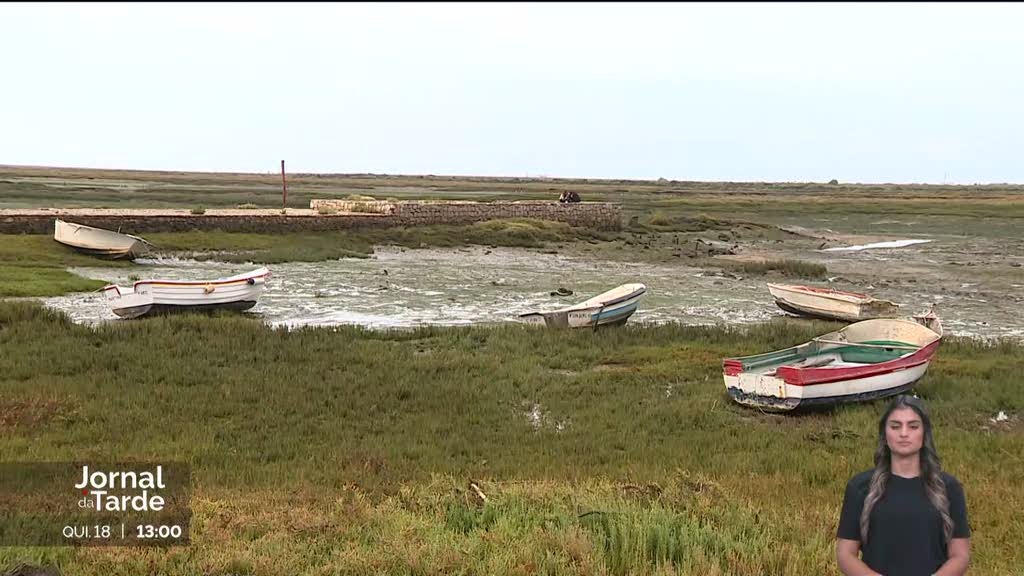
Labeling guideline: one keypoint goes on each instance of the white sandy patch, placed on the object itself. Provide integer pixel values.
(890, 244)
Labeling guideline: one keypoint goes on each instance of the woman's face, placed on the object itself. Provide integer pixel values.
(904, 432)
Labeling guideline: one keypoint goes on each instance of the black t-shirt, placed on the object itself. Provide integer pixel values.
(905, 535)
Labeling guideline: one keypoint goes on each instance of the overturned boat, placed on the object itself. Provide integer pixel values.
(830, 304)
(99, 242)
(150, 297)
(610, 308)
(863, 361)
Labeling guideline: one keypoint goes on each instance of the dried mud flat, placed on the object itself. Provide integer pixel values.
(402, 287)
(976, 283)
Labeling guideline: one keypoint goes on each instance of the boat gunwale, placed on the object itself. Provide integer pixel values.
(241, 279)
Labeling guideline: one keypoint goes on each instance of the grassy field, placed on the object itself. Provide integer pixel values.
(348, 451)
(311, 247)
(36, 265)
(28, 187)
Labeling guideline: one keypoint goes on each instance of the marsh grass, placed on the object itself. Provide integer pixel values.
(662, 201)
(661, 221)
(311, 247)
(347, 450)
(786, 267)
(35, 265)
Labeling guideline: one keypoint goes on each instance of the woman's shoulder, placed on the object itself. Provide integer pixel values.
(951, 481)
(860, 480)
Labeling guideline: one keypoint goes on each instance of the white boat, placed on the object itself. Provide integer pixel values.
(863, 361)
(99, 242)
(611, 308)
(830, 304)
(164, 296)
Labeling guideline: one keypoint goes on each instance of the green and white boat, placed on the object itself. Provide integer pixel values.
(863, 361)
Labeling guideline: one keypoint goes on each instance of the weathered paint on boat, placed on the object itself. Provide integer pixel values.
(829, 303)
(867, 360)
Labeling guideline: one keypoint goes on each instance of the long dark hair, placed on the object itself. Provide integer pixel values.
(931, 468)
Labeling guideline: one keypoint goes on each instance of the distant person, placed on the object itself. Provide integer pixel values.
(569, 196)
(904, 517)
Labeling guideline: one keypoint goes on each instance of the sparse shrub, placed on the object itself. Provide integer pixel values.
(787, 267)
(248, 206)
(661, 219)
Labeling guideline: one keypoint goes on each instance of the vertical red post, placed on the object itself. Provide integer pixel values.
(284, 188)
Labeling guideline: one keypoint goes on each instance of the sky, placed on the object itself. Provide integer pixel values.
(780, 92)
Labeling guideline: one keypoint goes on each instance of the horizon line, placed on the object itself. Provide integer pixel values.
(507, 177)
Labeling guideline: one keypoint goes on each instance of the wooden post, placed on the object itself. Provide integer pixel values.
(284, 188)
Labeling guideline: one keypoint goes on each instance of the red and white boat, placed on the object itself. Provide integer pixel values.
(830, 304)
(147, 297)
(863, 361)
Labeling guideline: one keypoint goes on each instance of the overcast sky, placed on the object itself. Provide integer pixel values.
(743, 92)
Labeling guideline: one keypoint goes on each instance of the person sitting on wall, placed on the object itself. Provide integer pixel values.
(569, 196)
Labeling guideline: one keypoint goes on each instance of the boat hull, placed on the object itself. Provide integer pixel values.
(830, 304)
(167, 309)
(832, 394)
(864, 361)
(98, 242)
(620, 305)
(155, 297)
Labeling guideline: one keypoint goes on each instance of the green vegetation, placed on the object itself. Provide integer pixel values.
(350, 451)
(35, 265)
(786, 267)
(312, 247)
(33, 187)
(365, 208)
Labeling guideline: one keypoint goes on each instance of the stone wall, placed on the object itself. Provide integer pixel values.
(323, 215)
(43, 224)
(598, 215)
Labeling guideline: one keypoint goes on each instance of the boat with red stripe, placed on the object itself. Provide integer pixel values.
(863, 361)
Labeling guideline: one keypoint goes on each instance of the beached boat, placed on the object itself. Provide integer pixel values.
(863, 361)
(611, 308)
(148, 297)
(99, 242)
(830, 304)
